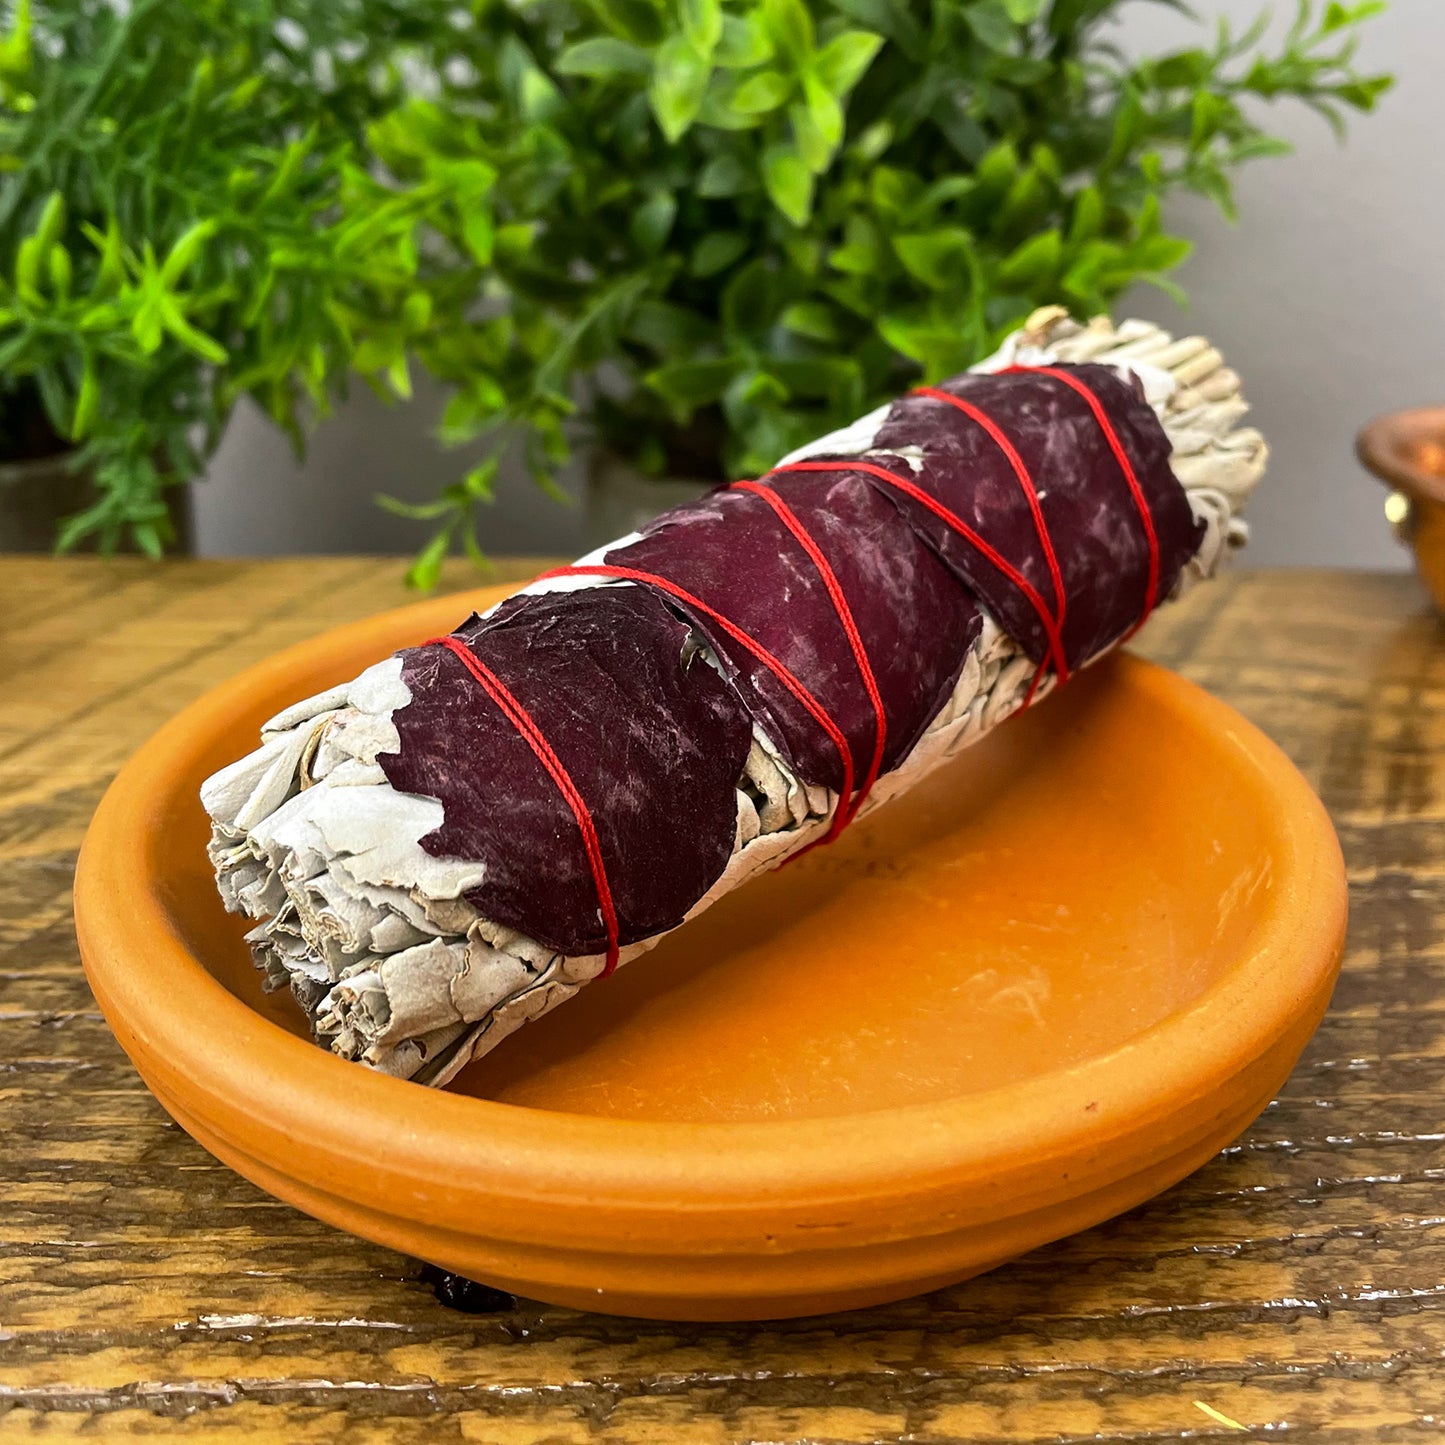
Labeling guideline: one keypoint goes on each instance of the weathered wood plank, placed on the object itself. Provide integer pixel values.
(1294, 1284)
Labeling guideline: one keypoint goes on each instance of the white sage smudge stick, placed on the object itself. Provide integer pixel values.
(393, 965)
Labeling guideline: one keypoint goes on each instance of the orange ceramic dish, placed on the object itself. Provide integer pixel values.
(1123, 916)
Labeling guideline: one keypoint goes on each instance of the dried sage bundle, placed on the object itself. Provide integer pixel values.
(472, 830)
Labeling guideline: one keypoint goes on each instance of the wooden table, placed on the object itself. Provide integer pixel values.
(1296, 1285)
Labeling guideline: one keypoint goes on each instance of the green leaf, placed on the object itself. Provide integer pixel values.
(989, 20)
(1160, 253)
(939, 349)
(702, 23)
(891, 19)
(479, 483)
(748, 302)
(86, 401)
(1023, 12)
(187, 247)
(412, 511)
(540, 98)
(1029, 200)
(862, 251)
(753, 389)
(744, 43)
(603, 57)
(629, 19)
(816, 375)
(479, 234)
(1207, 113)
(147, 537)
(843, 61)
(1033, 263)
(61, 271)
(814, 319)
(789, 183)
(653, 220)
(687, 385)
(874, 141)
(891, 190)
(824, 112)
(1362, 94)
(147, 326)
(111, 271)
(1087, 217)
(791, 28)
(513, 242)
(287, 170)
(27, 271)
(424, 573)
(725, 175)
(804, 253)
(416, 311)
(1210, 180)
(668, 328)
(679, 80)
(51, 224)
(997, 171)
(717, 111)
(15, 47)
(940, 259)
(471, 409)
(1338, 16)
(1259, 146)
(1183, 70)
(716, 252)
(1129, 123)
(399, 375)
(810, 143)
(761, 93)
(206, 347)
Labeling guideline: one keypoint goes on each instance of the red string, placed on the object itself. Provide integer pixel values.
(783, 674)
(1125, 466)
(520, 719)
(1024, 479)
(912, 489)
(790, 520)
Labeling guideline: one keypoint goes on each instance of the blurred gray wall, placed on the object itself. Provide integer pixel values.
(1329, 297)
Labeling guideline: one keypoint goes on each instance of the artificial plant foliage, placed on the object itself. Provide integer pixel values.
(704, 230)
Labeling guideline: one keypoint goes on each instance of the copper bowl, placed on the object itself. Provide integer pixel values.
(1406, 450)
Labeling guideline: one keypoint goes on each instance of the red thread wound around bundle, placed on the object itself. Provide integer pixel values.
(1025, 481)
(790, 520)
(991, 553)
(810, 704)
(521, 719)
(1146, 517)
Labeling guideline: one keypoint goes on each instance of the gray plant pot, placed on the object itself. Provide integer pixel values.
(36, 495)
(620, 499)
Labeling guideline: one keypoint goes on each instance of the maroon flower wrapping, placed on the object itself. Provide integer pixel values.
(1096, 530)
(655, 739)
(916, 622)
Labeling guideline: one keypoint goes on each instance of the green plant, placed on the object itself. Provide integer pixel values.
(189, 213)
(715, 226)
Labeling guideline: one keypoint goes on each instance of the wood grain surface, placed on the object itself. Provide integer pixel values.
(1294, 1288)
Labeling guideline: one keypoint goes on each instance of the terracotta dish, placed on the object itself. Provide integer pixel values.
(1133, 909)
(1406, 450)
